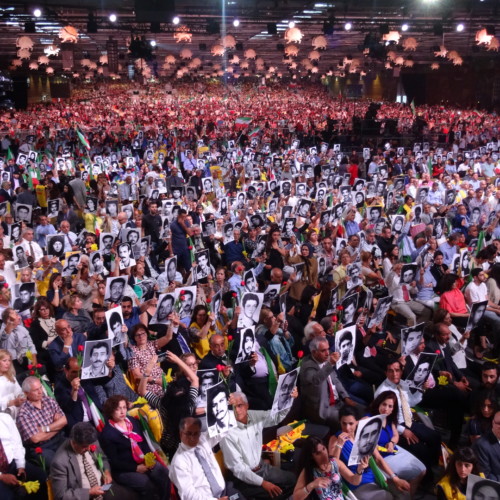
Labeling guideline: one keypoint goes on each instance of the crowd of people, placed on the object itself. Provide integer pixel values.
(184, 269)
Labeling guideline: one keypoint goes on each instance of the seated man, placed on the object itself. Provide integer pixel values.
(71, 394)
(194, 469)
(487, 449)
(75, 472)
(322, 393)
(15, 468)
(242, 448)
(40, 422)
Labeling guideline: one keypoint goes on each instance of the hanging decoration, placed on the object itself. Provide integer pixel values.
(410, 44)
(320, 42)
(217, 50)
(392, 36)
(51, 50)
(293, 35)
(68, 34)
(183, 35)
(292, 51)
(250, 54)
(25, 42)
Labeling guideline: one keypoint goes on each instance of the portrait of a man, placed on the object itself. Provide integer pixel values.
(95, 356)
(164, 309)
(115, 287)
(115, 322)
(24, 294)
(250, 304)
(246, 348)
(220, 416)
(366, 440)
(411, 338)
(126, 258)
(345, 341)
(422, 370)
(283, 398)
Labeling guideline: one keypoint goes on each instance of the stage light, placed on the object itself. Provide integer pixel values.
(404, 27)
(347, 26)
(37, 12)
(291, 24)
(460, 27)
(112, 18)
(236, 23)
(153, 43)
(176, 20)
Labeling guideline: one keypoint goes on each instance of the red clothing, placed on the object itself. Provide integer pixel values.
(453, 302)
(353, 170)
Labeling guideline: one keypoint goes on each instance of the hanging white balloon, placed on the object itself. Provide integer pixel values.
(23, 54)
(314, 55)
(293, 35)
(320, 42)
(25, 42)
(292, 51)
(392, 36)
(229, 42)
(51, 50)
(250, 54)
(186, 54)
(43, 60)
(217, 50)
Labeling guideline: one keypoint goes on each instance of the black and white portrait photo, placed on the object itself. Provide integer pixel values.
(20, 258)
(220, 416)
(23, 213)
(71, 263)
(115, 288)
(251, 304)
(53, 208)
(106, 241)
(350, 305)
(186, 298)
(421, 196)
(283, 398)
(126, 256)
(465, 263)
(345, 342)
(3, 208)
(115, 322)
(96, 264)
(477, 311)
(91, 204)
(303, 207)
(208, 227)
(112, 208)
(228, 233)
(381, 310)
(420, 373)
(439, 225)
(95, 357)
(203, 268)
(411, 338)
(246, 345)
(164, 308)
(271, 293)
(288, 227)
(23, 298)
(479, 488)
(366, 439)
(250, 281)
(398, 223)
(55, 245)
(207, 378)
(408, 274)
(354, 273)
(373, 214)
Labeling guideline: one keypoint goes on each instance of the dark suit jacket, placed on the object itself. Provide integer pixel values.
(445, 361)
(118, 450)
(66, 476)
(73, 409)
(314, 392)
(487, 450)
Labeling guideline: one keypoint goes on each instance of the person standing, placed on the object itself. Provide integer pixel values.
(181, 231)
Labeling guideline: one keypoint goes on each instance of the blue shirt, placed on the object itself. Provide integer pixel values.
(179, 237)
(448, 252)
(41, 232)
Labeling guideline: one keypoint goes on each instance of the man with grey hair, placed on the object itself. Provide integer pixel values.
(40, 421)
(242, 448)
(322, 393)
(76, 473)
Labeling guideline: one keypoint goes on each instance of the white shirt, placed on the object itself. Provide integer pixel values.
(8, 390)
(242, 446)
(67, 237)
(476, 293)
(187, 474)
(37, 251)
(11, 441)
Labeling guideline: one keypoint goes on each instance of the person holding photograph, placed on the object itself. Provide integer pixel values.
(77, 317)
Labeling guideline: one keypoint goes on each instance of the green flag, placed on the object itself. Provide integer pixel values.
(412, 106)
(83, 139)
(10, 156)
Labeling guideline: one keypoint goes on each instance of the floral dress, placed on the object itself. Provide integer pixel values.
(334, 490)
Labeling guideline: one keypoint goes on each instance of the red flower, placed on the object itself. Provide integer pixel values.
(340, 308)
(285, 283)
(190, 247)
(242, 283)
(182, 297)
(300, 354)
(6, 285)
(80, 348)
(208, 300)
(438, 352)
(334, 319)
(30, 367)
(234, 294)
(32, 372)
(220, 368)
(27, 322)
(229, 337)
(39, 365)
(38, 450)
(92, 448)
(182, 292)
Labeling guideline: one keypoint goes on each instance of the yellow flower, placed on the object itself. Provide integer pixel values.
(169, 375)
(29, 355)
(140, 401)
(149, 460)
(442, 380)
(30, 486)
(94, 247)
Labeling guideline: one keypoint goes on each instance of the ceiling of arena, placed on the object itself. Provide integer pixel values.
(362, 48)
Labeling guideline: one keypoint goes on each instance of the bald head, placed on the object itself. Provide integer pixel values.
(276, 276)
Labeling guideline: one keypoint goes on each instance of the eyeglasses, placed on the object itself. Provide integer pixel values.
(192, 434)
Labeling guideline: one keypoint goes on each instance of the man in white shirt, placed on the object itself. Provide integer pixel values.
(31, 247)
(476, 291)
(13, 465)
(194, 469)
(242, 448)
(69, 237)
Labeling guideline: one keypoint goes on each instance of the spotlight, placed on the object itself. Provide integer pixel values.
(291, 24)
(347, 26)
(176, 20)
(153, 43)
(112, 18)
(460, 27)
(236, 23)
(404, 27)
(37, 12)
